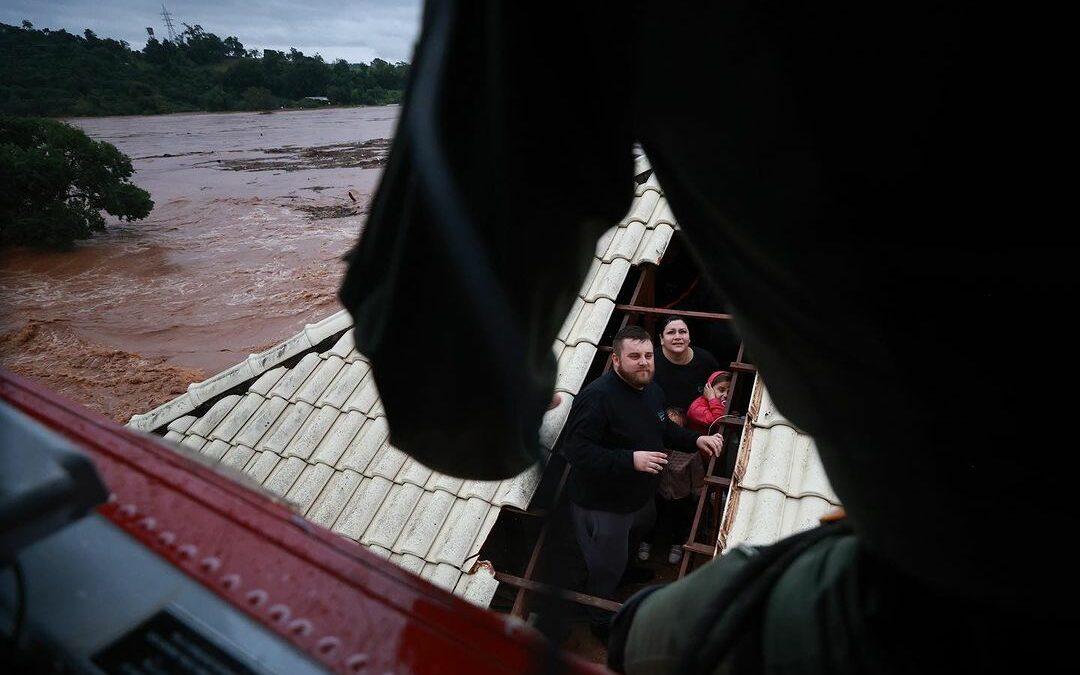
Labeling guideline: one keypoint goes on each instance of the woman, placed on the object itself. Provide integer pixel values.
(681, 371)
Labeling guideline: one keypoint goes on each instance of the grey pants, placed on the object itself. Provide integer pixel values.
(605, 539)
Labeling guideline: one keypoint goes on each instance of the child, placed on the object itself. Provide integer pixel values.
(712, 404)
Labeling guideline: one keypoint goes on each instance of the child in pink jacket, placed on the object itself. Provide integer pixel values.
(712, 404)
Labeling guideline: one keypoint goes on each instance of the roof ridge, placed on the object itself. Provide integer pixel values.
(250, 369)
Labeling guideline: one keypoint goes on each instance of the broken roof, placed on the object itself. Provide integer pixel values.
(304, 420)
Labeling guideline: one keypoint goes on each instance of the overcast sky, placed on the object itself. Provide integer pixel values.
(354, 30)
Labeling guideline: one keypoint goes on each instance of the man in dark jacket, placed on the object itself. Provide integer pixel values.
(615, 440)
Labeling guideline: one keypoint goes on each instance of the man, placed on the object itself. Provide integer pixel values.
(615, 440)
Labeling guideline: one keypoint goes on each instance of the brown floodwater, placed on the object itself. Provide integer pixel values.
(252, 214)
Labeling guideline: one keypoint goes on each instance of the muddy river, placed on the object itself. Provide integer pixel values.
(253, 212)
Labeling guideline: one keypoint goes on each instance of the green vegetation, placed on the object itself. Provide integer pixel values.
(56, 73)
(57, 180)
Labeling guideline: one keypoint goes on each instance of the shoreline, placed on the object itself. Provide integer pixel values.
(193, 113)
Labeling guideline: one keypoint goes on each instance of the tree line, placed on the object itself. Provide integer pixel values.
(56, 73)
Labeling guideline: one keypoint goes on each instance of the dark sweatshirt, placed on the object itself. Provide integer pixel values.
(609, 421)
(682, 383)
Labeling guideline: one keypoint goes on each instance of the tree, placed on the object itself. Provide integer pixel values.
(202, 47)
(56, 73)
(258, 98)
(57, 180)
(159, 52)
(215, 99)
(243, 74)
(234, 48)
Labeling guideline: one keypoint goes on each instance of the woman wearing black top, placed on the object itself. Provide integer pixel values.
(681, 371)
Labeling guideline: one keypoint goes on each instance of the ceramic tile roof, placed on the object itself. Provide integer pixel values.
(304, 420)
(780, 486)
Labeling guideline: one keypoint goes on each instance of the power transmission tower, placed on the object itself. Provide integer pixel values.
(168, 23)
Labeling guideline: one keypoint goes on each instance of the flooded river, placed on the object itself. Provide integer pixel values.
(252, 215)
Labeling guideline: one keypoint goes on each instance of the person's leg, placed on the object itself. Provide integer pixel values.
(642, 538)
(642, 520)
(603, 538)
(681, 520)
(684, 518)
(661, 529)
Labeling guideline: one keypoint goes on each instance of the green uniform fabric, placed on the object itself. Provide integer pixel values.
(662, 627)
(834, 610)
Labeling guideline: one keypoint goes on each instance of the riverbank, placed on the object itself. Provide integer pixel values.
(254, 213)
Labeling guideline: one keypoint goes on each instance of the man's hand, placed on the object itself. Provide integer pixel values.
(648, 461)
(710, 445)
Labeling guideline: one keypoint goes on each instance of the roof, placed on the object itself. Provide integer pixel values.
(779, 485)
(304, 420)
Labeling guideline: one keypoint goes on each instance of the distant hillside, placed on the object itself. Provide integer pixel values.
(57, 73)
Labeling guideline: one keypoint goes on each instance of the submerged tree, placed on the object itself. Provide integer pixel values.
(57, 180)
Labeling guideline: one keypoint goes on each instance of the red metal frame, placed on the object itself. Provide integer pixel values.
(347, 608)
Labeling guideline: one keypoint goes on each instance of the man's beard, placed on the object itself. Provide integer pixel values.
(637, 378)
